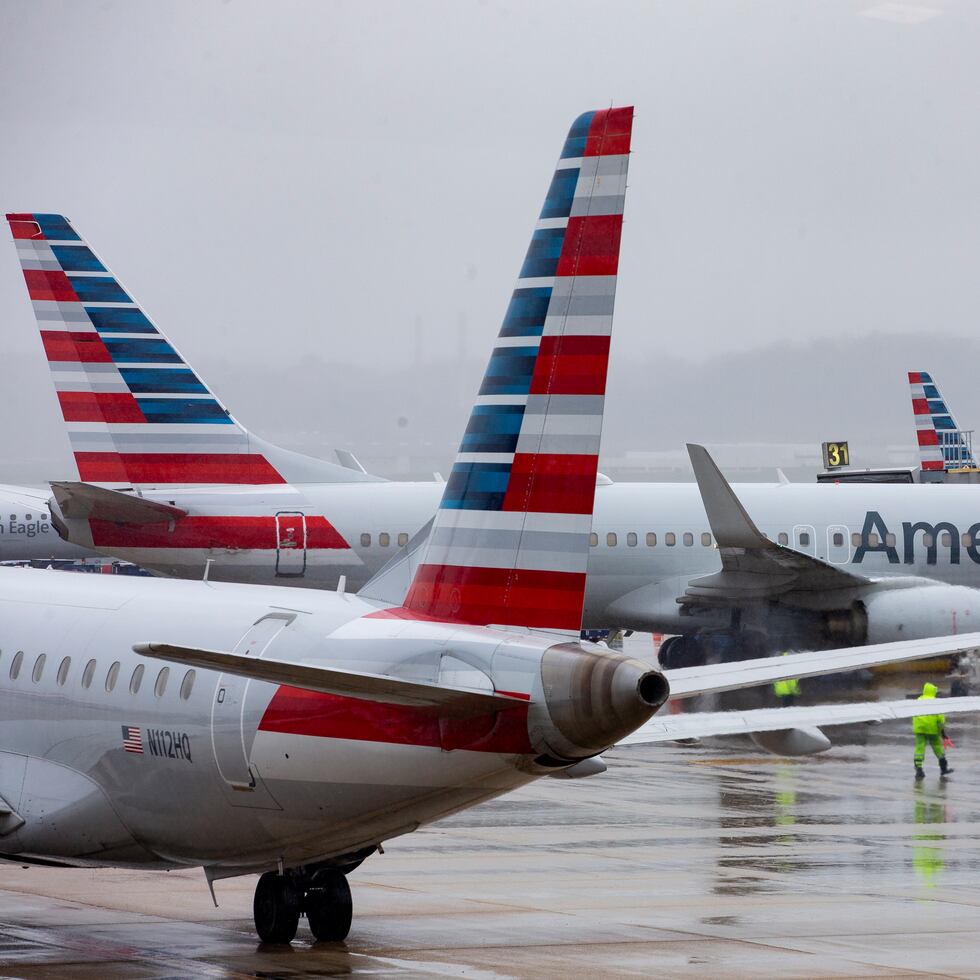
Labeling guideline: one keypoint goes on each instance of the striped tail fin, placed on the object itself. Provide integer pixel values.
(136, 412)
(510, 541)
(942, 444)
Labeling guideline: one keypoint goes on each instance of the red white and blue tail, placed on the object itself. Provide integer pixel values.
(942, 444)
(136, 412)
(510, 541)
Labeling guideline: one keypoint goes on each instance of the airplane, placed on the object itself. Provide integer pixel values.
(942, 443)
(153, 723)
(173, 483)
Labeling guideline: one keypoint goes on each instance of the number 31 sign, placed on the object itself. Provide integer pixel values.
(835, 455)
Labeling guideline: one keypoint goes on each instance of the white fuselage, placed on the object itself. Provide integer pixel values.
(649, 539)
(110, 757)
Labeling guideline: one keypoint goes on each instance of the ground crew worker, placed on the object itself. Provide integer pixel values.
(786, 690)
(931, 729)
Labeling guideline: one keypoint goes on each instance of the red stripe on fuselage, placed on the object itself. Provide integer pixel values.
(298, 712)
(99, 406)
(85, 348)
(571, 365)
(156, 468)
(239, 533)
(509, 596)
(49, 285)
(591, 246)
(546, 483)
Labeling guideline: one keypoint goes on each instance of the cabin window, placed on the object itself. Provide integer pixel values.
(136, 679)
(927, 540)
(365, 540)
(161, 685)
(805, 539)
(670, 539)
(967, 540)
(873, 540)
(88, 674)
(651, 539)
(688, 539)
(15, 664)
(63, 668)
(611, 539)
(631, 539)
(593, 540)
(890, 539)
(402, 540)
(706, 539)
(187, 685)
(39, 668)
(384, 539)
(111, 677)
(856, 539)
(782, 537)
(946, 539)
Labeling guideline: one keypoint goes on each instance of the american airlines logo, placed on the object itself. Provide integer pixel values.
(876, 538)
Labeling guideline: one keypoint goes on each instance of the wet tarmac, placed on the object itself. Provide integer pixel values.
(685, 862)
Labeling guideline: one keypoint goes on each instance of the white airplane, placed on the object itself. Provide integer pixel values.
(253, 728)
(171, 482)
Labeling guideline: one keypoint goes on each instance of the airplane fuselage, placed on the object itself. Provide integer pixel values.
(110, 757)
(649, 539)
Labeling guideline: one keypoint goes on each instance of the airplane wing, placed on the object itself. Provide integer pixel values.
(753, 567)
(685, 682)
(667, 728)
(452, 701)
(83, 500)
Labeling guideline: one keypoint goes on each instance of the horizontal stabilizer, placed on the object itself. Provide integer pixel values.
(453, 701)
(685, 682)
(83, 501)
(699, 724)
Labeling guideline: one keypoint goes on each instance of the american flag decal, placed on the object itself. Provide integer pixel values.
(132, 740)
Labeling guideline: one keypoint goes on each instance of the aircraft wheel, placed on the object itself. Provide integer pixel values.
(328, 906)
(680, 651)
(276, 909)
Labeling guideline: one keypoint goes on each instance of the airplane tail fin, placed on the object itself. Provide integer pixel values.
(136, 412)
(510, 541)
(942, 444)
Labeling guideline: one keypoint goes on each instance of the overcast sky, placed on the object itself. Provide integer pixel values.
(354, 184)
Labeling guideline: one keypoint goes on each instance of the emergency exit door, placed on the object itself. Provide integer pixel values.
(290, 543)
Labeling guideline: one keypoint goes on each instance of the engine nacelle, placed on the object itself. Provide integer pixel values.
(921, 611)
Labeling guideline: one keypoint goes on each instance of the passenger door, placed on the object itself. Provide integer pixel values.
(290, 544)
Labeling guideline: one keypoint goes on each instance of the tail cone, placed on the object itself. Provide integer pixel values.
(592, 699)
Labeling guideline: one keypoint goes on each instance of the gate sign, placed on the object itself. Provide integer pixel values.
(835, 455)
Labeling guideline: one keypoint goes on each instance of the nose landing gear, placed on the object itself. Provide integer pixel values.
(323, 897)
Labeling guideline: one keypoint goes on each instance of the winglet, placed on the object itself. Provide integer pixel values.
(730, 523)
